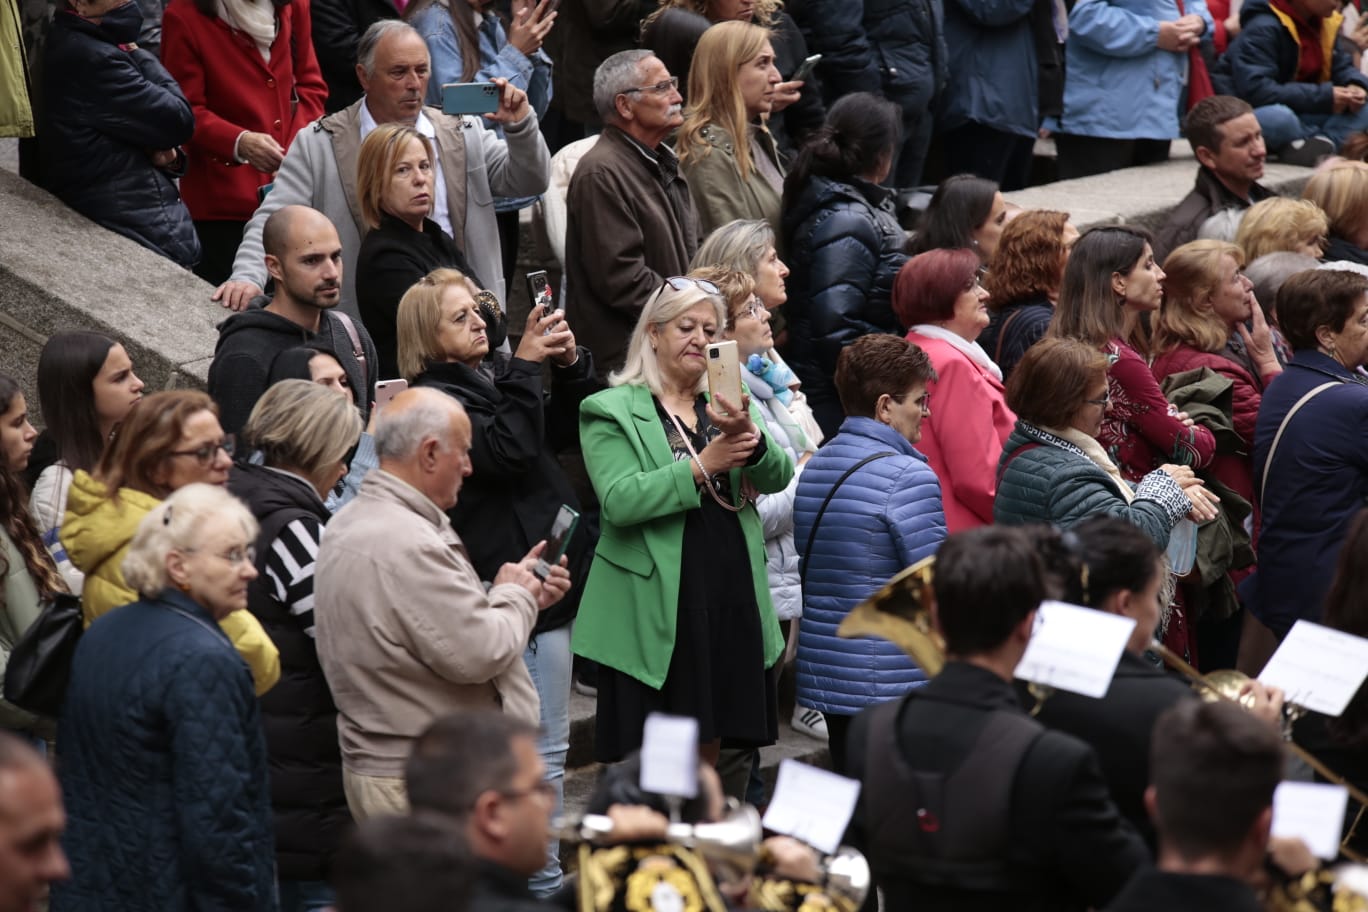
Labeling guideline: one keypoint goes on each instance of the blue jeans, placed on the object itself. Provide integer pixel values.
(304, 895)
(1281, 125)
(548, 661)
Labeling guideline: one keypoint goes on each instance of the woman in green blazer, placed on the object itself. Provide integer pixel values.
(677, 607)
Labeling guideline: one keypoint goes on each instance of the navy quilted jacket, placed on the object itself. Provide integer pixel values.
(163, 768)
(885, 516)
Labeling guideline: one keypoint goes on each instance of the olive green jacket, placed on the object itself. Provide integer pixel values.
(719, 193)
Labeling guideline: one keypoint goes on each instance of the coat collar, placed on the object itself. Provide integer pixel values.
(381, 485)
(876, 430)
(648, 425)
(1312, 360)
(183, 604)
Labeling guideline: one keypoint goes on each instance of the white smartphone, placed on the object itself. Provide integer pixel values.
(385, 390)
(724, 375)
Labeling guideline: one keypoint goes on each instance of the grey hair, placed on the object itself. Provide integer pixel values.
(301, 424)
(177, 524)
(737, 246)
(365, 48)
(641, 366)
(614, 76)
(399, 432)
(1269, 271)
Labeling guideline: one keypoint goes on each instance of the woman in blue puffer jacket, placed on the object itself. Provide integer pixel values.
(843, 242)
(882, 513)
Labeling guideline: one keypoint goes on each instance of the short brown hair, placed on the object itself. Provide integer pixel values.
(737, 288)
(927, 286)
(1192, 274)
(1050, 382)
(875, 365)
(1028, 258)
(1203, 123)
(375, 165)
(1315, 298)
(145, 439)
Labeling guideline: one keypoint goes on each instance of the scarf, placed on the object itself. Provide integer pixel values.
(972, 350)
(1090, 448)
(255, 18)
(762, 387)
(777, 375)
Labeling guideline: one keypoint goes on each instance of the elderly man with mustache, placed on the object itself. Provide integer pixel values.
(304, 257)
(473, 165)
(631, 222)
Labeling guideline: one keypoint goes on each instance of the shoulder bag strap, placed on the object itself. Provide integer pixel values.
(355, 338)
(1002, 335)
(1268, 463)
(1025, 447)
(817, 521)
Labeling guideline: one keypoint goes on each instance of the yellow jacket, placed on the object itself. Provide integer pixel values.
(96, 533)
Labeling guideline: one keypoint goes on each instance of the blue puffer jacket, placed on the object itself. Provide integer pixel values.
(845, 248)
(987, 39)
(885, 517)
(108, 105)
(163, 768)
(894, 45)
(1118, 84)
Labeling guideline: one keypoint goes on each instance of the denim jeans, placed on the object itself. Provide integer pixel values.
(1281, 125)
(304, 895)
(548, 661)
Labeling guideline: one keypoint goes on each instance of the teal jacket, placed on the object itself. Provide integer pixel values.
(627, 615)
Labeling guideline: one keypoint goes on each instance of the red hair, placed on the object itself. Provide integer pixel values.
(928, 285)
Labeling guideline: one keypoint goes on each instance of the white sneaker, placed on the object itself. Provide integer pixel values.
(809, 722)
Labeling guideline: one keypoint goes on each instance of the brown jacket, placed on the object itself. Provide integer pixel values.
(631, 224)
(405, 630)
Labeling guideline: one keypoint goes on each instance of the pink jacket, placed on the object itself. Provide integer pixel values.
(963, 437)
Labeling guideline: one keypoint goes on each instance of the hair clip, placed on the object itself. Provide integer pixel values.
(166, 516)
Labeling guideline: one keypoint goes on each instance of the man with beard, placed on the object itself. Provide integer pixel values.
(631, 219)
(304, 257)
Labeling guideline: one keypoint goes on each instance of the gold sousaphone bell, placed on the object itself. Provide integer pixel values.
(900, 612)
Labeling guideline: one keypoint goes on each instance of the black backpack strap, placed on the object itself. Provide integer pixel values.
(817, 520)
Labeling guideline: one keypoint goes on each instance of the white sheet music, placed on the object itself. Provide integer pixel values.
(1318, 667)
(1074, 649)
(669, 755)
(812, 805)
(1312, 812)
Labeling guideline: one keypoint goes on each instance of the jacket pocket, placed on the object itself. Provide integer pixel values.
(629, 556)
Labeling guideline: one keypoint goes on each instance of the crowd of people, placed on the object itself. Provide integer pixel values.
(330, 636)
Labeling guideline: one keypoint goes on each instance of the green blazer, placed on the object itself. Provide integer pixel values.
(627, 615)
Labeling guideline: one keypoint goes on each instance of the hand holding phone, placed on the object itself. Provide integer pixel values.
(470, 98)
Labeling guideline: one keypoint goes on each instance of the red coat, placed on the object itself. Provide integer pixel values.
(963, 438)
(232, 89)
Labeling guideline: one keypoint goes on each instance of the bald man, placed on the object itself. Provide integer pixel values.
(406, 630)
(31, 824)
(304, 256)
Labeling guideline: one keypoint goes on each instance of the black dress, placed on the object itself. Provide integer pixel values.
(717, 672)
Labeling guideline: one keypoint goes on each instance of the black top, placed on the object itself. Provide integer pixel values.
(1064, 828)
(1151, 890)
(1013, 328)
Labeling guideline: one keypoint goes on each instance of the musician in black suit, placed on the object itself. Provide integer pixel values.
(967, 802)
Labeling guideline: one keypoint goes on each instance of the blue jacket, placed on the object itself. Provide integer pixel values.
(163, 768)
(845, 248)
(1317, 483)
(891, 47)
(1117, 83)
(1260, 65)
(107, 105)
(992, 66)
(885, 517)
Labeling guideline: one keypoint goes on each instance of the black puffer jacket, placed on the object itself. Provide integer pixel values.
(298, 714)
(108, 106)
(516, 486)
(845, 247)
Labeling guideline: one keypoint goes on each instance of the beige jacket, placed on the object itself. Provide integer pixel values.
(405, 630)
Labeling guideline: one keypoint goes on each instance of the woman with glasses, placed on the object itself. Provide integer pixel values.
(168, 440)
(677, 607)
(939, 296)
(867, 506)
(725, 147)
(164, 767)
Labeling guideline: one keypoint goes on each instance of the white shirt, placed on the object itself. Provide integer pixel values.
(440, 215)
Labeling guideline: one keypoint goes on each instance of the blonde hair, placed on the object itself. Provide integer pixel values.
(178, 524)
(737, 288)
(420, 310)
(766, 11)
(303, 425)
(1341, 190)
(641, 366)
(375, 165)
(714, 99)
(1279, 224)
(1192, 274)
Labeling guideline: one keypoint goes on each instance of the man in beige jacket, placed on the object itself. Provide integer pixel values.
(406, 631)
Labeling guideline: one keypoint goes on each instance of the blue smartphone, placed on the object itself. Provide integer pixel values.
(470, 98)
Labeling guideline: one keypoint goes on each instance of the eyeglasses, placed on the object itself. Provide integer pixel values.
(543, 789)
(755, 309)
(684, 283)
(923, 401)
(235, 557)
(660, 88)
(205, 455)
(1104, 401)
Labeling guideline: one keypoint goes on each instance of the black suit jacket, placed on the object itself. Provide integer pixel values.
(1118, 729)
(1064, 828)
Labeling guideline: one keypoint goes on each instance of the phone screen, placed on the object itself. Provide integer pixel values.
(557, 540)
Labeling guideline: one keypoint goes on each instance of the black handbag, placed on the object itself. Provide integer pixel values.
(40, 663)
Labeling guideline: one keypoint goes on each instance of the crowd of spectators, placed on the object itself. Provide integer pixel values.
(312, 592)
